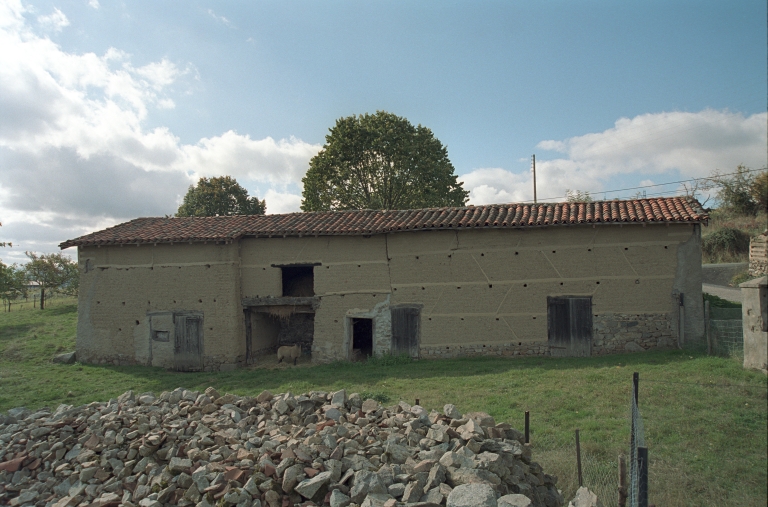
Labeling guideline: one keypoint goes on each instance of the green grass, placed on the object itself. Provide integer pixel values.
(705, 417)
(718, 302)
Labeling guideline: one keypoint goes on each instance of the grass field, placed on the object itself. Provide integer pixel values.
(705, 417)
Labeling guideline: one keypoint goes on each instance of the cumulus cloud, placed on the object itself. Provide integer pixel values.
(692, 144)
(282, 202)
(76, 156)
(94, 4)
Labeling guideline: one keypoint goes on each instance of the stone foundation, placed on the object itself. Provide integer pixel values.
(612, 334)
(616, 333)
(497, 349)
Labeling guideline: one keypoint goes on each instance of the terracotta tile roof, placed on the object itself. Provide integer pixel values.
(363, 222)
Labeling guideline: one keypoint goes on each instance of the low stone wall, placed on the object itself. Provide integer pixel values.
(85, 357)
(616, 333)
(758, 255)
(612, 334)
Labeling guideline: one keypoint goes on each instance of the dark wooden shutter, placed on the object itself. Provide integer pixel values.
(558, 326)
(581, 326)
(569, 326)
(188, 343)
(405, 330)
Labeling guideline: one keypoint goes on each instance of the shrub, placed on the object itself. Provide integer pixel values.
(742, 277)
(726, 244)
(718, 302)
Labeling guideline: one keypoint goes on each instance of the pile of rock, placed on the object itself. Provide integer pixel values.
(204, 449)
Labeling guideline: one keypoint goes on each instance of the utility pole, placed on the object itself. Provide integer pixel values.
(533, 158)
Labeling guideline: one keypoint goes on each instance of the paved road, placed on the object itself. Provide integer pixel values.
(720, 291)
(721, 274)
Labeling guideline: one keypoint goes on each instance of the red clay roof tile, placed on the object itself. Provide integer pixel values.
(364, 222)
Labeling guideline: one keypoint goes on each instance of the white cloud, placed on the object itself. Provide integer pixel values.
(282, 202)
(54, 21)
(265, 160)
(694, 144)
(220, 19)
(76, 156)
(94, 4)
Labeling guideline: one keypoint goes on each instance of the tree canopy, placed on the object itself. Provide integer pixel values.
(222, 195)
(52, 271)
(13, 283)
(380, 161)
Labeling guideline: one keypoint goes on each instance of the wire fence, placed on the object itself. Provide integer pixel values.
(557, 456)
(726, 332)
(638, 457)
(32, 301)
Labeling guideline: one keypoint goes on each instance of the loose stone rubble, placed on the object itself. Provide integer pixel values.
(206, 449)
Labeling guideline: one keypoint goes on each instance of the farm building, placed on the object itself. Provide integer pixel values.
(519, 279)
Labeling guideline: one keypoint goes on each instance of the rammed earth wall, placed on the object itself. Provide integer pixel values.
(478, 291)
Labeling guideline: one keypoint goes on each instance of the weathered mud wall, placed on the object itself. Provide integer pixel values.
(351, 280)
(123, 289)
(480, 291)
(485, 291)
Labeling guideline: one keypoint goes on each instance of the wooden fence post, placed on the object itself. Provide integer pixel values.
(527, 427)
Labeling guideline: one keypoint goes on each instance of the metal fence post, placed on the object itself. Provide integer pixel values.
(578, 458)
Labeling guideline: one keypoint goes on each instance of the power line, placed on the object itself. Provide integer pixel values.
(662, 184)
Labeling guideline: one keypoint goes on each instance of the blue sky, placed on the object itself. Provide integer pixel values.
(109, 110)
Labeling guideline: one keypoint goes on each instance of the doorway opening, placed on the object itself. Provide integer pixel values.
(362, 338)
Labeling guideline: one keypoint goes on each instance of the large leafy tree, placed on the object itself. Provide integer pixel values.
(52, 272)
(380, 161)
(219, 196)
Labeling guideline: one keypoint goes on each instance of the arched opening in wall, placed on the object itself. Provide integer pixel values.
(362, 338)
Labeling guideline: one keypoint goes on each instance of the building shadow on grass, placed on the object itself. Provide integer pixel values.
(251, 381)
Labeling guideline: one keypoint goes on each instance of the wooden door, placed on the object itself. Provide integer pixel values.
(405, 330)
(569, 326)
(188, 343)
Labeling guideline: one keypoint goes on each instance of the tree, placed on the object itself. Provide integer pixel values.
(735, 191)
(759, 190)
(577, 195)
(52, 271)
(13, 283)
(380, 161)
(219, 196)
